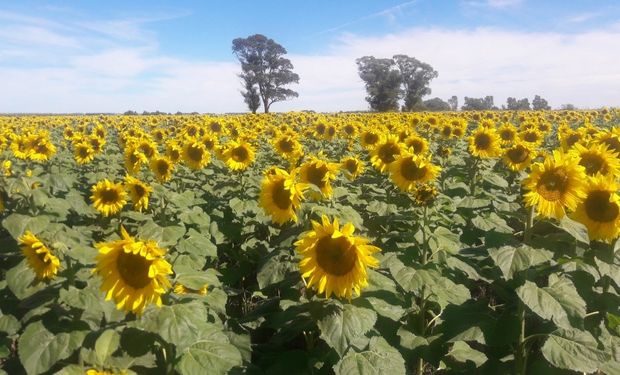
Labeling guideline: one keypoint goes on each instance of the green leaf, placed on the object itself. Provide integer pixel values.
(575, 229)
(22, 282)
(444, 239)
(558, 302)
(106, 344)
(178, 324)
(40, 349)
(344, 324)
(574, 350)
(17, 224)
(461, 352)
(491, 222)
(209, 357)
(9, 324)
(197, 244)
(380, 359)
(275, 269)
(197, 279)
(164, 236)
(433, 284)
(512, 260)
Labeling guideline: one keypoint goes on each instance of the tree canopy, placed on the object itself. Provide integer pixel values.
(264, 71)
(389, 80)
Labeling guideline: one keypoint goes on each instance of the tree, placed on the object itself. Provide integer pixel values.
(454, 103)
(568, 107)
(518, 105)
(436, 105)
(251, 95)
(263, 60)
(416, 76)
(540, 104)
(382, 79)
(478, 104)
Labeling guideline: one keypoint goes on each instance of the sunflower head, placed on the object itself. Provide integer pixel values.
(555, 186)
(139, 193)
(84, 153)
(162, 168)
(409, 170)
(484, 143)
(352, 167)
(320, 174)
(425, 194)
(39, 257)
(108, 197)
(134, 159)
(195, 155)
(385, 152)
(280, 195)
(519, 156)
(597, 159)
(238, 155)
(600, 209)
(334, 261)
(507, 134)
(135, 273)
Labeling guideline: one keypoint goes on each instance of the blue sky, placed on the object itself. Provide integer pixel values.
(145, 55)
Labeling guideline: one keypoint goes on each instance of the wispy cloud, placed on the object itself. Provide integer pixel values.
(390, 13)
(496, 4)
(583, 17)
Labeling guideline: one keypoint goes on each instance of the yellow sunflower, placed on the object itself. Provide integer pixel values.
(532, 136)
(597, 159)
(173, 151)
(195, 155)
(408, 170)
(280, 195)
(108, 197)
(507, 134)
(519, 156)
(135, 273)
(417, 144)
(19, 147)
(556, 185)
(484, 143)
(352, 166)
(238, 155)
(162, 167)
(369, 138)
(425, 194)
(385, 152)
(600, 210)
(320, 174)
(134, 159)
(181, 289)
(84, 153)
(334, 260)
(39, 257)
(288, 147)
(139, 193)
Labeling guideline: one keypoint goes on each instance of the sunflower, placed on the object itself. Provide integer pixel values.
(334, 260)
(288, 147)
(195, 155)
(352, 166)
(532, 136)
(369, 138)
(19, 147)
(135, 273)
(597, 159)
(134, 159)
(139, 193)
(238, 155)
(41, 149)
(280, 195)
(320, 174)
(162, 167)
(519, 156)
(39, 257)
(600, 210)
(108, 197)
(425, 194)
(418, 144)
(484, 143)
(556, 185)
(181, 289)
(385, 152)
(507, 134)
(84, 153)
(173, 151)
(408, 170)
(6, 167)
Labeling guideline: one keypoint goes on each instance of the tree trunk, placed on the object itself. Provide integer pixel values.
(266, 104)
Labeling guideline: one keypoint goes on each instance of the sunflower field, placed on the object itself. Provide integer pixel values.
(303, 243)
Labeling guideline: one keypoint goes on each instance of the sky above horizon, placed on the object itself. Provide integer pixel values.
(113, 56)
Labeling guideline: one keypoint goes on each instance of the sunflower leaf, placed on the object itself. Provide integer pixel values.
(512, 260)
(209, 356)
(574, 350)
(345, 323)
(381, 358)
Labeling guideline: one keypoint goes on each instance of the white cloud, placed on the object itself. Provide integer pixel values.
(94, 71)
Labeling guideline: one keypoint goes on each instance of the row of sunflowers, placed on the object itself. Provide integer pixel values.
(460, 242)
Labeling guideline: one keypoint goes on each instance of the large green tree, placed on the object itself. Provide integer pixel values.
(416, 76)
(264, 70)
(383, 80)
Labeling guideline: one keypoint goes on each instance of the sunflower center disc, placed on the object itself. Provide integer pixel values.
(335, 255)
(162, 167)
(240, 154)
(553, 184)
(517, 155)
(410, 170)
(134, 269)
(371, 138)
(507, 135)
(388, 152)
(599, 208)
(194, 153)
(281, 196)
(530, 137)
(109, 196)
(286, 146)
(593, 163)
(316, 175)
(351, 166)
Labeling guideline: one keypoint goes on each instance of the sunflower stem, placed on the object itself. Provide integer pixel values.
(521, 352)
(422, 303)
